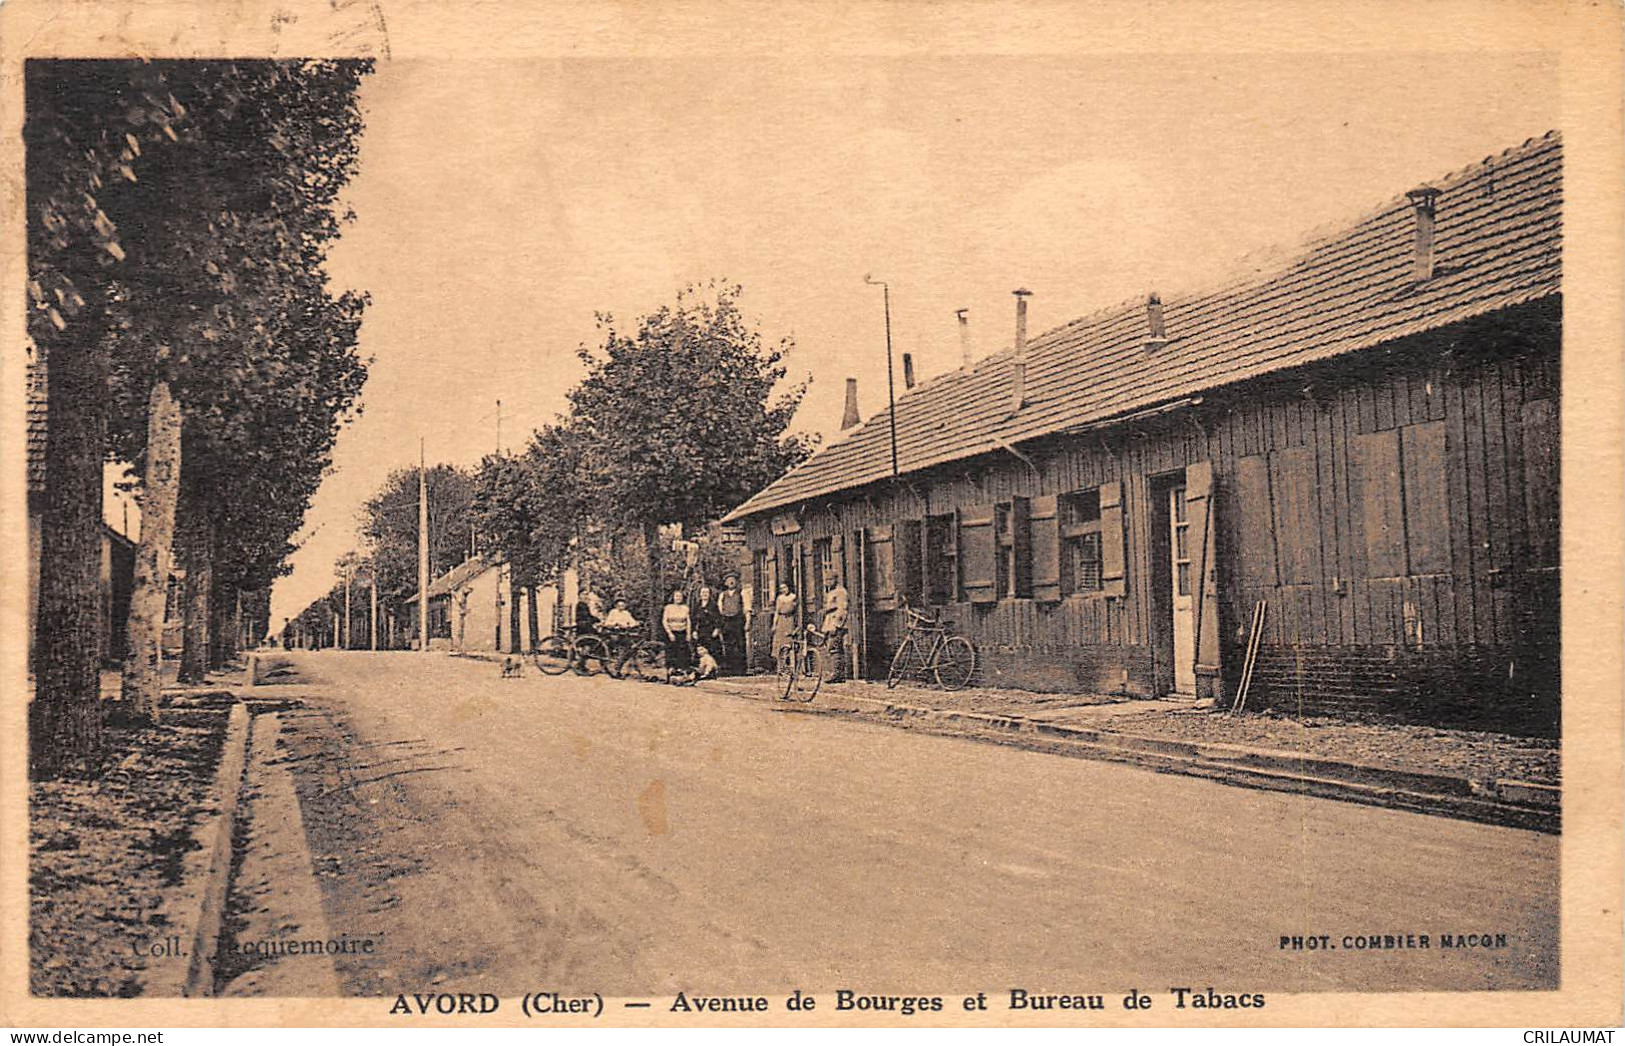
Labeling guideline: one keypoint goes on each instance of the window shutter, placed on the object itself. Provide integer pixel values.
(907, 561)
(1046, 548)
(1256, 533)
(766, 598)
(1427, 499)
(1382, 512)
(882, 574)
(1542, 444)
(1297, 516)
(837, 560)
(1198, 502)
(1113, 573)
(1021, 533)
(978, 554)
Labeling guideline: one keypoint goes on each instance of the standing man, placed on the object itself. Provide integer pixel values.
(836, 603)
(731, 611)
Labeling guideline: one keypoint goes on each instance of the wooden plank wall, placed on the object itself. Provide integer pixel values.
(1321, 593)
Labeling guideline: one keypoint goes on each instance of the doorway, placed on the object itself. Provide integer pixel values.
(1173, 576)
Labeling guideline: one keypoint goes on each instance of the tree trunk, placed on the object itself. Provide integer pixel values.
(514, 592)
(533, 616)
(159, 489)
(657, 583)
(222, 625)
(65, 722)
(196, 544)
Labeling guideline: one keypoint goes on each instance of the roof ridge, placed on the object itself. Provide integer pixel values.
(1336, 289)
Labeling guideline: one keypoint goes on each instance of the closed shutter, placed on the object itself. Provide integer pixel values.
(1255, 531)
(1427, 499)
(882, 574)
(978, 554)
(1046, 548)
(1382, 512)
(907, 561)
(1021, 535)
(1297, 515)
(1199, 510)
(1113, 572)
(1542, 443)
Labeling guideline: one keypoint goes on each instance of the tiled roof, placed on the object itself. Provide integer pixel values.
(1498, 243)
(455, 578)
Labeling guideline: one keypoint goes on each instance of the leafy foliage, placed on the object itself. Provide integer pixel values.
(389, 526)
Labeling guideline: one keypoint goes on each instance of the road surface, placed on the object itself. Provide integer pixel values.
(583, 835)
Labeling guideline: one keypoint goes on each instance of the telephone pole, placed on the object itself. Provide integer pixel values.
(374, 618)
(423, 551)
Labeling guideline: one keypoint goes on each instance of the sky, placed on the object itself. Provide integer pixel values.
(502, 204)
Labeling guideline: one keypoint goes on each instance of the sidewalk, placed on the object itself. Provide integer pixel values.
(1472, 775)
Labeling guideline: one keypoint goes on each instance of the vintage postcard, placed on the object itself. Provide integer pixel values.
(811, 514)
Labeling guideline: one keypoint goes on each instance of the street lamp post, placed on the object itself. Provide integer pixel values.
(891, 390)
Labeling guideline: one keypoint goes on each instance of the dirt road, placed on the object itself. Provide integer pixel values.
(512, 835)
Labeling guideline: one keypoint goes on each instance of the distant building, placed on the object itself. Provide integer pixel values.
(468, 608)
(1366, 442)
(121, 527)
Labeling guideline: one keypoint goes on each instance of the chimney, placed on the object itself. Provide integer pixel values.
(850, 419)
(908, 371)
(964, 337)
(1425, 200)
(1156, 326)
(1018, 376)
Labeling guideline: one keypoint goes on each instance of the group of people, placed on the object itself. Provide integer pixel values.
(704, 638)
(837, 604)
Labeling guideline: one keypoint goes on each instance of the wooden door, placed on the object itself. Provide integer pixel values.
(1182, 581)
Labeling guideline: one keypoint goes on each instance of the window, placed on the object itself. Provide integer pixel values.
(823, 566)
(1080, 534)
(1182, 544)
(758, 578)
(941, 559)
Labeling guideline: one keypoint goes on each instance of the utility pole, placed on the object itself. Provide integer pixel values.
(891, 389)
(374, 618)
(499, 428)
(423, 551)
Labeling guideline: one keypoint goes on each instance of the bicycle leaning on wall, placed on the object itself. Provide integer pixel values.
(930, 652)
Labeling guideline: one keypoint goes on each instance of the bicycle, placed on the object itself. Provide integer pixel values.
(802, 664)
(638, 660)
(585, 654)
(929, 651)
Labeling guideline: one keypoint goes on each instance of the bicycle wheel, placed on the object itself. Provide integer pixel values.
(551, 656)
(788, 670)
(648, 661)
(591, 655)
(955, 662)
(812, 670)
(901, 663)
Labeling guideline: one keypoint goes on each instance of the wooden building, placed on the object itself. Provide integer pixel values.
(1366, 441)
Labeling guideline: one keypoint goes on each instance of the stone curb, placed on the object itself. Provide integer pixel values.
(197, 923)
(1518, 804)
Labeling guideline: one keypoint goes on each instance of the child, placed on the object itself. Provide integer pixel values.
(707, 666)
(619, 624)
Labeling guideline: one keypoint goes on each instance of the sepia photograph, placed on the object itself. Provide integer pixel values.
(598, 527)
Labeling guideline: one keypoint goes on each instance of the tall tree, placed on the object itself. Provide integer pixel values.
(685, 416)
(389, 526)
(90, 128)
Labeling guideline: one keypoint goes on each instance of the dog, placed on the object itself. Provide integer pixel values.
(512, 667)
